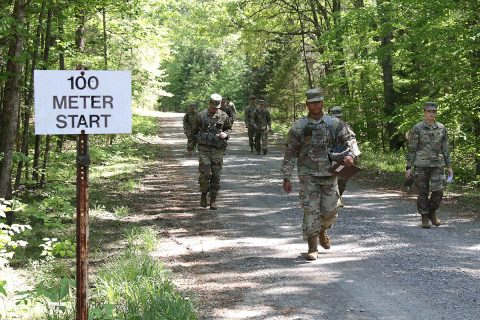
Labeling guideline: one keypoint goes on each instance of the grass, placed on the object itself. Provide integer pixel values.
(132, 285)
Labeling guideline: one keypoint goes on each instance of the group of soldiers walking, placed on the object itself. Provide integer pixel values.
(314, 142)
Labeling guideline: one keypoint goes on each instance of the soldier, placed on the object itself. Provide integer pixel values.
(212, 128)
(231, 106)
(248, 121)
(226, 108)
(262, 123)
(342, 183)
(309, 139)
(428, 154)
(188, 120)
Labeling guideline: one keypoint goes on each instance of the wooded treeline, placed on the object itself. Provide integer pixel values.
(380, 60)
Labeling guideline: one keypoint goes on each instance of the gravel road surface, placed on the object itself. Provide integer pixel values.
(246, 260)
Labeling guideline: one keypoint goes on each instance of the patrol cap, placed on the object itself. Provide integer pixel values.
(261, 101)
(252, 97)
(314, 95)
(193, 105)
(215, 99)
(336, 111)
(430, 106)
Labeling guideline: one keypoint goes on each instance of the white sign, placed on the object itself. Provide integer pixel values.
(69, 102)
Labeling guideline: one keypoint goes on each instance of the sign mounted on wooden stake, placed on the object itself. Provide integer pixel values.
(97, 102)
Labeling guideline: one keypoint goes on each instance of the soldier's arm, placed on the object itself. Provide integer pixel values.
(345, 138)
(197, 124)
(185, 117)
(269, 119)
(292, 147)
(412, 147)
(445, 150)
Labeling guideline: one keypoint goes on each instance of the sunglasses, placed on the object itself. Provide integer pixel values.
(431, 111)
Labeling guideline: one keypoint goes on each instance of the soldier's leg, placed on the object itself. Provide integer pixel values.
(310, 202)
(204, 168)
(264, 141)
(329, 201)
(217, 165)
(251, 133)
(422, 182)
(309, 196)
(437, 184)
(258, 140)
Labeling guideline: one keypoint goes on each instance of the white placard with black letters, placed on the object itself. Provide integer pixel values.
(69, 101)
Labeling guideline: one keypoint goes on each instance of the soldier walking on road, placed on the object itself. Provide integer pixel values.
(310, 139)
(262, 123)
(188, 120)
(231, 107)
(248, 121)
(428, 154)
(212, 128)
(342, 183)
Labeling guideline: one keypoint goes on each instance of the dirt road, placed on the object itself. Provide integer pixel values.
(246, 260)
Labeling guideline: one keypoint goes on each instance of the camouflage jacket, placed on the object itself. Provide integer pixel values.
(249, 114)
(310, 140)
(188, 120)
(428, 146)
(353, 145)
(261, 119)
(230, 112)
(211, 124)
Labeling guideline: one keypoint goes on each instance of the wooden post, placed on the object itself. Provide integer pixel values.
(83, 161)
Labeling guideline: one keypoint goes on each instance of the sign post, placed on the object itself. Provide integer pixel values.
(82, 103)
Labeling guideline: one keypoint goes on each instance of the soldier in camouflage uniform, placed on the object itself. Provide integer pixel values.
(248, 121)
(342, 183)
(310, 139)
(262, 123)
(212, 128)
(188, 120)
(229, 108)
(428, 154)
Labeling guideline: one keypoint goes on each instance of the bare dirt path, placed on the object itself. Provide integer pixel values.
(246, 260)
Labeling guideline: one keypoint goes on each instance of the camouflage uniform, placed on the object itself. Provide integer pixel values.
(262, 123)
(210, 160)
(231, 111)
(428, 153)
(188, 120)
(337, 113)
(309, 141)
(248, 123)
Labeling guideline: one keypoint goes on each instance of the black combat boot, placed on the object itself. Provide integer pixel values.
(213, 204)
(312, 248)
(264, 151)
(203, 200)
(251, 148)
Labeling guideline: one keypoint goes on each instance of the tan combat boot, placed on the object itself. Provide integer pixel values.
(324, 240)
(213, 204)
(312, 248)
(425, 222)
(435, 221)
(203, 200)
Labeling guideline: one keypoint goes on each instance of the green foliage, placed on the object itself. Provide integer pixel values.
(52, 247)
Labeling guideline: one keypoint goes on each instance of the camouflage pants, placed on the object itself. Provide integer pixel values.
(210, 164)
(251, 135)
(320, 201)
(191, 142)
(429, 180)
(261, 138)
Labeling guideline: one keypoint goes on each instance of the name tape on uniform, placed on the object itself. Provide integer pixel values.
(67, 102)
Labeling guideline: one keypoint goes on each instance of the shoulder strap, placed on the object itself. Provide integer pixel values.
(329, 123)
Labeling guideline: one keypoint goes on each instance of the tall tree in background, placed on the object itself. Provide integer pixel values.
(11, 102)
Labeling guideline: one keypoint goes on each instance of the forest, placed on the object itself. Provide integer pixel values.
(380, 60)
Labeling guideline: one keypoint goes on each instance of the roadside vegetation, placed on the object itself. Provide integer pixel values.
(127, 283)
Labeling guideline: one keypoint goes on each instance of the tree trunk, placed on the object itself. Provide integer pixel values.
(387, 75)
(29, 99)
(11, 100)
(46, 52)
(61, 66)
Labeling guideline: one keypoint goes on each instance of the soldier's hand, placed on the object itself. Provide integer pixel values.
(222, 135)
(408, 174)
(348, 161)
(287, 186)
